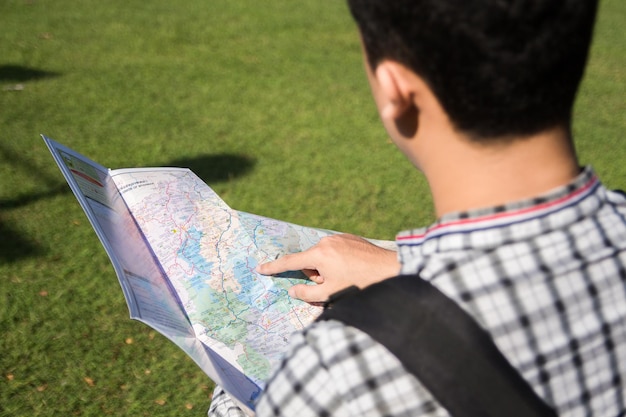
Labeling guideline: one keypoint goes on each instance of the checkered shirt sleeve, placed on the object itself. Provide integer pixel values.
(356, 377)
(222, 405)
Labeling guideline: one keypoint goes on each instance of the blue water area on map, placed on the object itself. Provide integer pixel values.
(190, 252)
(248, 280)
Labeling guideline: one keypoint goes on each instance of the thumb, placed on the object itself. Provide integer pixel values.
(308, 293)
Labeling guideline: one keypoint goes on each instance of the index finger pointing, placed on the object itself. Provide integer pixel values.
(291, 262)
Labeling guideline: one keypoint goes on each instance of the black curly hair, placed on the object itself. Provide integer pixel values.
(499, 67)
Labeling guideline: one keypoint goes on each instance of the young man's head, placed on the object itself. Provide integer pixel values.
(499, 68)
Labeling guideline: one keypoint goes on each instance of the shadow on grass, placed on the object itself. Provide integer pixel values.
(15, 245)
(216, 168)
(53, 186)
(25, 199)
(20, 74)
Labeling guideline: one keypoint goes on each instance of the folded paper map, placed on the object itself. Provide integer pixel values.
(186, 264)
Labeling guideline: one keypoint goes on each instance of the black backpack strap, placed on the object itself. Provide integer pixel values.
(441, 344)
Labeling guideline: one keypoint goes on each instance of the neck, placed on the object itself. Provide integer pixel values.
(464, 175)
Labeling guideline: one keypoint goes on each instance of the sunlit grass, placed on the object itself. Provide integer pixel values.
(276, 90)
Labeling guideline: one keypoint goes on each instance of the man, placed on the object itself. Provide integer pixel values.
(478, 94)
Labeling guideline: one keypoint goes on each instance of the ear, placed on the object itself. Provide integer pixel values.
(398, 94)
(395, 90)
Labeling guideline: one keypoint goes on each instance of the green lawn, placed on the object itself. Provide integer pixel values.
(269, 105)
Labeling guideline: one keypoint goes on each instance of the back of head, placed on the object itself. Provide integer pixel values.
(499, 67)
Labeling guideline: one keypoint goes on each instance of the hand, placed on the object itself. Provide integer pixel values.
(335, 263)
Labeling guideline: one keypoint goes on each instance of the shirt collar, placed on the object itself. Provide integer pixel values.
(585, 184)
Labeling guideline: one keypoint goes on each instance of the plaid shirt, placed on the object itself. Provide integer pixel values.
(545, 277)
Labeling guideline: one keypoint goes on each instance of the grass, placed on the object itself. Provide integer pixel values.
(270, 106)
